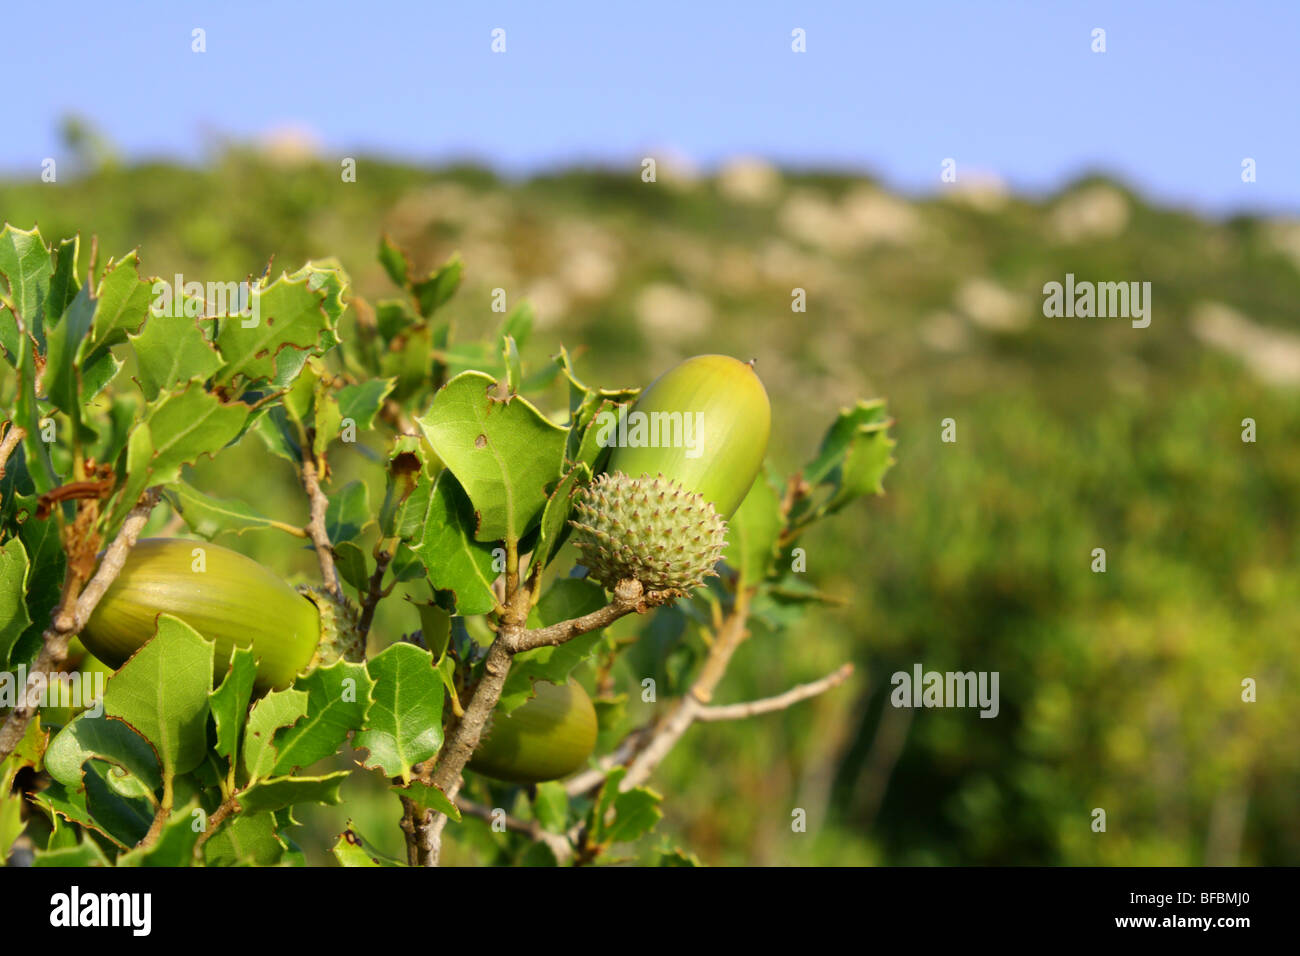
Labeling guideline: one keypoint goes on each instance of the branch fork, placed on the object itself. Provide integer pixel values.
(641, 752)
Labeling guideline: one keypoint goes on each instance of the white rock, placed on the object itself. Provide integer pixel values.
(666, 311)
(1284, 235)
(1272, 355)
(1096, 212)
(748, 179)
(990, 306)
(944, 332)
(980, 190)
(875, 217)
(549, 301)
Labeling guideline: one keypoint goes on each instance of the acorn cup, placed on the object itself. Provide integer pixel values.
(685, 457)
(548, 737)
(229, 599)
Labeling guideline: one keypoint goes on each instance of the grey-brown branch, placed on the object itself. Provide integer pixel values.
(655, 740)
(373, 593)
(629, 596)
(779, 702)
(12, 436)
(315, 528)
(513, 637)
(70, 617)
(558, 843)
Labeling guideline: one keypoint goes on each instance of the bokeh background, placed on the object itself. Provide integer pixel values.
(821, 171)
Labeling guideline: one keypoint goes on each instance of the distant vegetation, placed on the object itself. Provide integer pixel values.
(1120, 691)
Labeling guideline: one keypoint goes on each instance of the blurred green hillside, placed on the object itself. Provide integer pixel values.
(1120, 690)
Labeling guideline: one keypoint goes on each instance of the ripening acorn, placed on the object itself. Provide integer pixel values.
(718, 447)
(229, 599)
(685, 456)
(548, 737)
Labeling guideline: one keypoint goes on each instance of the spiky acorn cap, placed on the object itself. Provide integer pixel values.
(340, 631)
(649, 529)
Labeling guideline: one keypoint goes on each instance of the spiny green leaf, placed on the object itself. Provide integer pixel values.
(162, 694)
(338, 698)
(63, 352)
(348, 512)
(281, 708)
(14, 619)
(583, 399)
(513, 364)
(753, 533)
(175, 844)
(519, 324)
(246, 839)
(620, 816)
(636, 812)
(555, 516)
(97, 806)
(30, 752)
(122, 302)
(295, 312)
(505, 453)
(434, 292)
(429, 797)
(352, 565)
(44, 548)
(394, 261)
(85, 853)
(176, 430)
(551, 805)
(65, 282)
(404, 725)
(435, 627)
(26, 265)
(361, 402)
(677, 857)
(207, 516)
(12, 824)
(135, 764)
(352, 849)
(276, 793)
(840, 435)
(455, 562)
(229, 702)
(172, 351)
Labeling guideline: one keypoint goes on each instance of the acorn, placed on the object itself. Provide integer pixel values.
(548, 737)
(685, 456)
(229, 599)
(718, 447)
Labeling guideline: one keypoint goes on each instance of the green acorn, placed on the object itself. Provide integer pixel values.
(704, 424)
(228, 598)
(685, 456)
(548, 737)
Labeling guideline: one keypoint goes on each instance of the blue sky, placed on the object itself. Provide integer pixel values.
(1182, 94)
